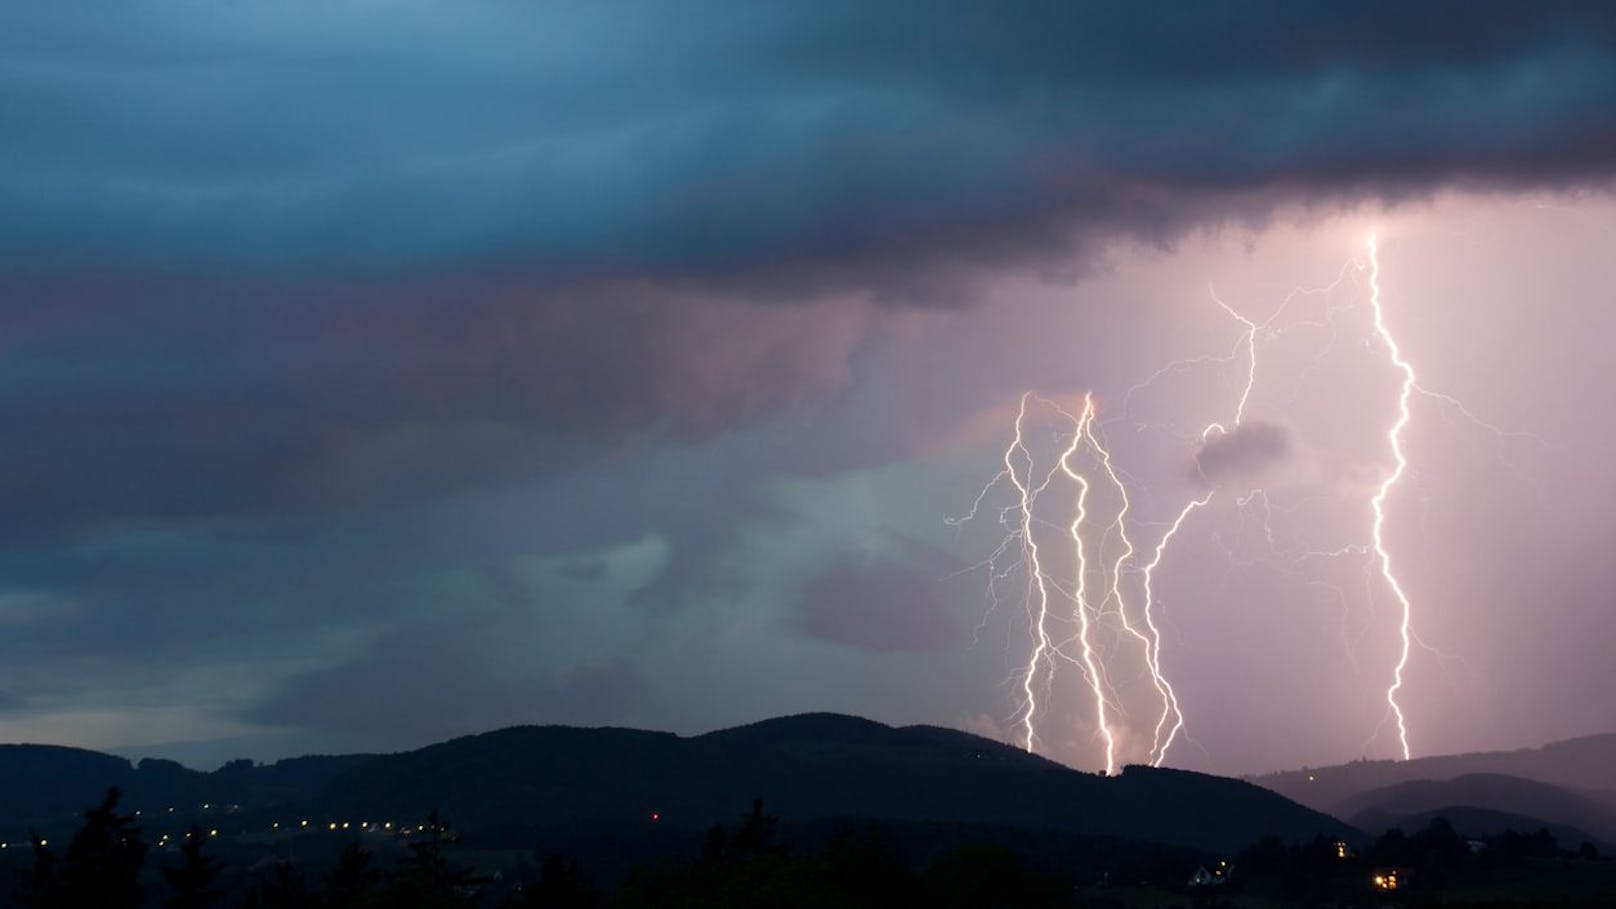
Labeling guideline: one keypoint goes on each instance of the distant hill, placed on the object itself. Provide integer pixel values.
(1586, 765)
(1486, 799)
(1568, 787)
(814, 766)
(1478, 823)
(49, 784)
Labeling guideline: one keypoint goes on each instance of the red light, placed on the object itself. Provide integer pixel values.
(656, 815)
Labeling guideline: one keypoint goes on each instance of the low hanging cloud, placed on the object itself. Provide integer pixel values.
(1248, 452)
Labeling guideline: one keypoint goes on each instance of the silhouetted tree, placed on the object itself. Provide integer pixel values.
(562, 884)
(987, 875)
(39, 885)
(757, 834)
(191, 882)
(285, 890)
(101, 867)
(868, 868)
(352, 879)
(426, 877)
(745, 869)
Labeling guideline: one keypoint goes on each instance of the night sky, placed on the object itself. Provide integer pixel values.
(374, 373)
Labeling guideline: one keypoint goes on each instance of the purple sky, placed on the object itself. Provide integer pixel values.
(369, 381)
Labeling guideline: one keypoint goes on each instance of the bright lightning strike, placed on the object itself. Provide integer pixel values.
(1091, 669)
(1151, 641)
(1395, 437)
(1027, 494)
(1170, 709)
(1084, 602)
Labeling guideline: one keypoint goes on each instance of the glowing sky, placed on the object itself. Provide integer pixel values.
(374, 375)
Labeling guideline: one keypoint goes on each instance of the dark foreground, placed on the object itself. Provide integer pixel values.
(111, 861)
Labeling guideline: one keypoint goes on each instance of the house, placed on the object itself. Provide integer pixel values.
(1205, 878)
(1388, 880)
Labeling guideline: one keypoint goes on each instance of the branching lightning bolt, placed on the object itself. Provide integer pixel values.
(1087, 639)
(1091, 669)
(1150, 639)
(1029, 541)
(1394, 437)
(1170, 708)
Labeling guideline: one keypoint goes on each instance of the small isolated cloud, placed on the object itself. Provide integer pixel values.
(1246, 452)
(888, 601)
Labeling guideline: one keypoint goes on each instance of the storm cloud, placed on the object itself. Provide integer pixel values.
(797, 145)
(385, 371)
(261, 258)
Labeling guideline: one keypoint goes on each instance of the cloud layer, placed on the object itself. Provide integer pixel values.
(342, 338)
(819, 143)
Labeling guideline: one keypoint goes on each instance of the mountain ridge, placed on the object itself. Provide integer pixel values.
(806, 766)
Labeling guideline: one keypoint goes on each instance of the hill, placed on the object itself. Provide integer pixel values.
(1479, 823)
(1487, 797)
(815, 766)
(810, 766)
(1581, 764)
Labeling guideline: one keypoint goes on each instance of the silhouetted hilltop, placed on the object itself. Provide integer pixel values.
(1482, 794)
(38, 780)
(50, 784)
(1583, 764)
(808, 767)
(1476, 823)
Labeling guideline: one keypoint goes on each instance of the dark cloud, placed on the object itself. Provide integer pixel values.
(462, 250)
(1246, 452)
(130, 397)
(811, 142)
(895, 600)
(434, 680)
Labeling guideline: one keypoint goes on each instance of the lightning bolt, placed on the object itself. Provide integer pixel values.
(1091, 669)
(1170, 708)
(1027, 494)
(1150, 639)
(1086, 449)
(1394, 438)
